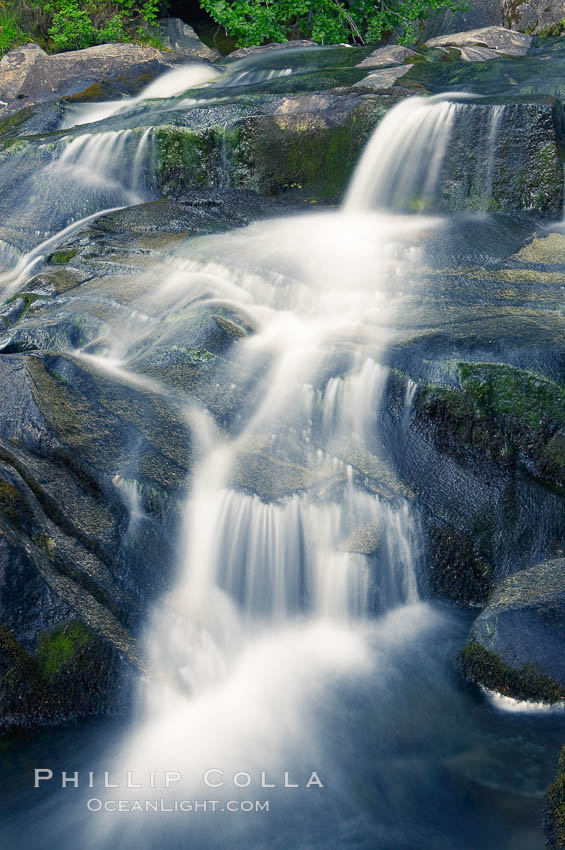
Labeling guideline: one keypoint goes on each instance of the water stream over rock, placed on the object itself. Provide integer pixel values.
(293, 656)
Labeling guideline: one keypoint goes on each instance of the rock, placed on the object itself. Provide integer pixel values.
(477, 54)
(267, 48)
(554, 809)
(524, 16)
(29, 76)
(382, 80)
(69, 553)
(182, 39)
(478, 14)
(496, 38)
(392, 54)
(516, 645)
(542, 17)
(305, 145)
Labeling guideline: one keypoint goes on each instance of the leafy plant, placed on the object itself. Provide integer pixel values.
(11, 33)
(326, 21)
(72, 28)
(98, 21)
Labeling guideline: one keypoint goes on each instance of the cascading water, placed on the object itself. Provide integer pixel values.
(168, 85)
(83, 178)
(295, 529)
(403, 167)
(294, 619)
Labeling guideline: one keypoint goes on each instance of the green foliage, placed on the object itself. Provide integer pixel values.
(254, 22)
(74, 24)
(72, 28)
(11, 33)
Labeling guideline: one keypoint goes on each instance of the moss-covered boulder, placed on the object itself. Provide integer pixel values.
(92, 472)
(514, 416)
(307, 145)
(516, 645)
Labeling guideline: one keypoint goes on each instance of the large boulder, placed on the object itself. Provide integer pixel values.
(305, 145)
(541, 17)
(516, 646)
(29, 76)
(496, 38)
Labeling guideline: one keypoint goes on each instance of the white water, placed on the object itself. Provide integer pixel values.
(401, 166)
(287, 545)
(496, 118)
(168, 85)
(90, 175)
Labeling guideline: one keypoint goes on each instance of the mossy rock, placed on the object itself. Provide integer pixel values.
(554, 809)
(516, 644)
(299, 149)
(61, 258)
(526, 682)
(515, 416)
(73, 673)
(59, 648)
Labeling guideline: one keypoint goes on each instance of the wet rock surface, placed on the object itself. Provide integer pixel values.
(94, 463)
(494, 38)
(516, 644)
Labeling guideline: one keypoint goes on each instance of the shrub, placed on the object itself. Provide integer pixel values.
(253, 22)
(74, 24)
(11, 33)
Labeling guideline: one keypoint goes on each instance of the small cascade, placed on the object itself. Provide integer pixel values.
(83, 178)
(168, 85)
(401, 167)
(409, 397)
(424, 156)
(496, 118)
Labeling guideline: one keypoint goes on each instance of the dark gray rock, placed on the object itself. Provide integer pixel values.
(517, 643)
(543, 17)
(481, 13)
(182, 39)
(535, 16)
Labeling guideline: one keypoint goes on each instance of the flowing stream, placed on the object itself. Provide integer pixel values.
(294, 642)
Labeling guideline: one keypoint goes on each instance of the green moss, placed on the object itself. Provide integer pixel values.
(58, 647)
(60, 258)
(12, 503)
(10, 125)
(508, 391)
(187, 160)
(295, 152)
(526, 682)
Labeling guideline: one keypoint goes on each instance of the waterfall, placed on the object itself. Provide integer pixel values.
(401, 166)
(404, 166)
(84, 177)
(496, 117)
(295, 534)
